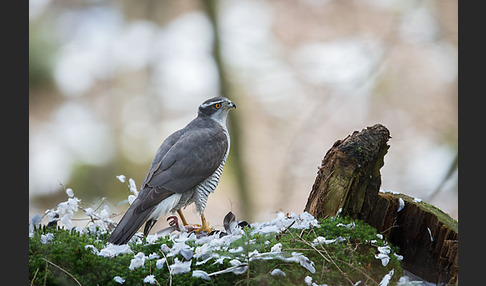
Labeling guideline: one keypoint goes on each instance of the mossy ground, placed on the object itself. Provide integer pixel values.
(342, 263)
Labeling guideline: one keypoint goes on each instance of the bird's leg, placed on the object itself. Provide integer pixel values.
(204, 225)
(174, 224)
(173, 221)
(184, 221)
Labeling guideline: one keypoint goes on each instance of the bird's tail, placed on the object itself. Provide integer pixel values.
(142, 209)
(128, 225)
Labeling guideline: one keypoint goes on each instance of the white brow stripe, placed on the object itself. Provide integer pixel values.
(204, 105)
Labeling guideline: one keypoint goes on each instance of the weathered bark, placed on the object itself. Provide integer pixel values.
(349, 179)
(350, 174)
(427, 237)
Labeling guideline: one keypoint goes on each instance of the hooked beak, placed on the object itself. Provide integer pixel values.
(232, 105)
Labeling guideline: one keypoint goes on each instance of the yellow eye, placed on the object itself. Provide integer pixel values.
(217, 105)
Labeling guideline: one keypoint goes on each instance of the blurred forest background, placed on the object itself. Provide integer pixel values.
(110, 80)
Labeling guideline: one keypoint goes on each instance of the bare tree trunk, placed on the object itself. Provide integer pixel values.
(235, 158)
(350, 174)
(349, 179)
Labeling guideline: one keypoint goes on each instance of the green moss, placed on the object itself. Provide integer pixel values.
(336, 264)
(446, 219)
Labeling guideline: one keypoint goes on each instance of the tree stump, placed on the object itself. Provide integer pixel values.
(349, 180)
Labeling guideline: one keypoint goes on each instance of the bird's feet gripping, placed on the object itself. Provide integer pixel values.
(204, 226)
(174, 222)
(185, 227)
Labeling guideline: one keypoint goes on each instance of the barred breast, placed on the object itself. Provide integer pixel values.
(209, 185)
(201, 192)
(206, 187)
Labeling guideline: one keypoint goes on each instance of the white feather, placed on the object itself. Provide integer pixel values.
(164, 207)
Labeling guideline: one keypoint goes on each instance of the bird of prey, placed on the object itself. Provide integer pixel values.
(185, 170)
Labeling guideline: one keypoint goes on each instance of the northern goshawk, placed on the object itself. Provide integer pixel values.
(185, 170)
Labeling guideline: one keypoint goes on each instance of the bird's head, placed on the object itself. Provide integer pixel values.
(216, 108)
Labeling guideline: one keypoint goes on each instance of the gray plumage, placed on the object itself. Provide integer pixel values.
(186, 169)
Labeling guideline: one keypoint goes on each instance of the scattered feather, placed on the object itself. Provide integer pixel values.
(70, 192)
(237, 268)
(304, 262)
(46, 238)
(276, 248)
(132, 186)
(179, 247)
(338, 213)
(220, 259)
(350, 225)
(180, 267)
(153, 256)
(229, 222)
(160, 263)
(112, 250)
(277, 272)
(235, 262)
(401, 204)
(34, 222)
(253, 253)
(323, 240)
(137, 261)
(165, 248)
(235, 250)
(282, 222)
(384, 249)
(430, 233)
(89, 212)
(121, 178)
(384, 258)
(383, 254)
(119, 279)
(187, 253)
(149, 279)
(386, 279)
(206, 259)
(399, 257)
(66, 220)
(131, 199)
(152, 238)
(389, 191)
(94, 250)
(200, 274)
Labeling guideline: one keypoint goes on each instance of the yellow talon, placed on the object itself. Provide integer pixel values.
(204, 225)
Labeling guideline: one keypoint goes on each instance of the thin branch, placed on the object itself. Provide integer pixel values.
(279, 235)
(312, 246)
(327, 259)
(33, 278)
(167, 263)
(60, 268)
(45, 275)
(340, 270)
(356, 268)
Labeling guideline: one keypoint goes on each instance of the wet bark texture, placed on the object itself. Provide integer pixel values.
(349, 179)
